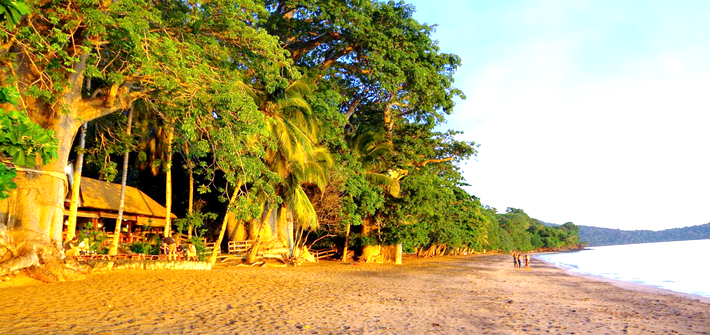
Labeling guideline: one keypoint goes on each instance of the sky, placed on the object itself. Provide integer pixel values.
(593, 112)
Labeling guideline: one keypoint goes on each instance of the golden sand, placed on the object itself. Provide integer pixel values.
(449, 295)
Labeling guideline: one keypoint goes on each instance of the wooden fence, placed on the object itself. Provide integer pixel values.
(323, 253)
(239, 247)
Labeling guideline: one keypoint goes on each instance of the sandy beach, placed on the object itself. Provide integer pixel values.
(447, 295)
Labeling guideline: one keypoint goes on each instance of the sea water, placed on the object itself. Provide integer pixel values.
(682, 266)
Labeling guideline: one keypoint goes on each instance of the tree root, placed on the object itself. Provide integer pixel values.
(37, 255)
(19, 262)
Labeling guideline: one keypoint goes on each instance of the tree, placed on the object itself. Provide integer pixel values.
(22, 143)
(295, 157)
(170, 51)
(385, 73)
(124, 176)
(369, 150)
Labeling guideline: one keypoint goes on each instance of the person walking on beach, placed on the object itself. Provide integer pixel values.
(515, 259)
(527, 263)
(520, 263)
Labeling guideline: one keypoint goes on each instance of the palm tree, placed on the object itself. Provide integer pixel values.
(369, 148)
(117, 230)
(156, 147)
(295, 157)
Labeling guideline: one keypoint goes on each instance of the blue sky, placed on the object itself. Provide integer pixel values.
(595, 112)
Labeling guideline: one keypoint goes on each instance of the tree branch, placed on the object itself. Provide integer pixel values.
(440, 160)
(351, 110)
(330, 60)
(352, 68)
(118, 99)
(300, 48)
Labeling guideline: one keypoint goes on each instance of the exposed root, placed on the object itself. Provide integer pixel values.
(24, 260)
(36, 254)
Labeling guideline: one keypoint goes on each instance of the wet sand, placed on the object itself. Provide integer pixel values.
(447, 295)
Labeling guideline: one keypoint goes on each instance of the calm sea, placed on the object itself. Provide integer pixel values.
(682, 266)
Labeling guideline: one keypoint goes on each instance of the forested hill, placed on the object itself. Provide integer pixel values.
(596, 236)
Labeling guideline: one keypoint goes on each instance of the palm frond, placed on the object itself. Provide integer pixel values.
(302, 208)
(388, 183)
(299, 88)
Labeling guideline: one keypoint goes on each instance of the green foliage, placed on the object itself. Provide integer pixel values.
(525, 233)
(196, 220)
(141, 247)
(12, 11)
(23, 143)
(200, 247)
(147, 247)
(433, 209)
(95, 240)
(6, 183)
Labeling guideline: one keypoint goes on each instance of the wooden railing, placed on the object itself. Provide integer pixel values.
(323, 253)
(239, 247)
(119, 256)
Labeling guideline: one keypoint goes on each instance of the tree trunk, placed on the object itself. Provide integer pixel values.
(76, 184)
(254, 251)
(37, 204)
(124, 176)
(218, 243)
(284, 231)
(347, 240)
(169, 181)
(34, 211)
(369, 251)
(389, 122)
(191, 195)
(236, 229)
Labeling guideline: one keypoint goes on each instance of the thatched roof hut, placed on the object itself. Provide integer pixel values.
(100, 199)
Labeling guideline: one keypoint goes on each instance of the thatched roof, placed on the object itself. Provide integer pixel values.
(101, 195)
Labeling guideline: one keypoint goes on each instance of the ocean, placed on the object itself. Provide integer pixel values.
(682, 266)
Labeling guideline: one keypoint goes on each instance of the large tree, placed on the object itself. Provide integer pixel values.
(170, 52)
(385, 74)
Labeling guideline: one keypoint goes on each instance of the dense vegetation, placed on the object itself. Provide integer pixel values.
(596, 236)
(322, 113)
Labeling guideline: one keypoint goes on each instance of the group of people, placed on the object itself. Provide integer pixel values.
(518, 264)
(172, 249)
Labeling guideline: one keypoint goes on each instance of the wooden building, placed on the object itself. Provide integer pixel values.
(98, 210)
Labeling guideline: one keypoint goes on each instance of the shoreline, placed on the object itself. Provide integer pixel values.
(630, 286)
(476, 294)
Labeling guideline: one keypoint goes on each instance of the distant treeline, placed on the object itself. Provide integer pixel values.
(515, 230)
(596, 236)
(481, 228)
